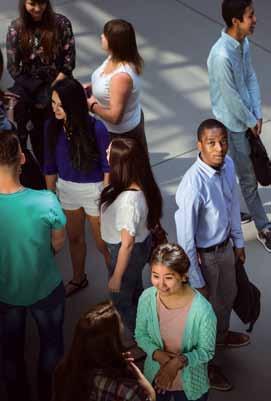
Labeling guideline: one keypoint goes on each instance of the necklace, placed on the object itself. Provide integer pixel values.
(68, 133)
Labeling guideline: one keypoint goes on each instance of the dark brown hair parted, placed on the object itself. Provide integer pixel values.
(46, 27)
(171, 256)
(129, 163)
(121, 38)
(96, 345)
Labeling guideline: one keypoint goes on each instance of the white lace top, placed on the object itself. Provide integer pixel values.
(129, 211)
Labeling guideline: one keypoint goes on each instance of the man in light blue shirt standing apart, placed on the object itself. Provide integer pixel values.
(236, 101)
(208, 227)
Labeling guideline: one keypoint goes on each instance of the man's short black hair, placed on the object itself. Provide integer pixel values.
(234, 9)
(211, 123)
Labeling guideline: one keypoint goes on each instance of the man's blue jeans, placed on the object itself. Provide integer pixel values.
(240, 152)
(177, 396)
(48, 313)
(131, 286)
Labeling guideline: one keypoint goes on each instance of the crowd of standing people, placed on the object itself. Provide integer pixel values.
(89, 162)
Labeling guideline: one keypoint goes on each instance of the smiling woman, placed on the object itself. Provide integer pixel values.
(176, 327)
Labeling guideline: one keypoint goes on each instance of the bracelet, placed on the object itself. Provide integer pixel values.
(91, 107)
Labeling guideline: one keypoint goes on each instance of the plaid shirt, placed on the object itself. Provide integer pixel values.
(108, 389)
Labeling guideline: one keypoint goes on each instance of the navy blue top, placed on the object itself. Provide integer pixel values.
(60, 162)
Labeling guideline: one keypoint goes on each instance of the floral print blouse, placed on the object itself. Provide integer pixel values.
(37, 65)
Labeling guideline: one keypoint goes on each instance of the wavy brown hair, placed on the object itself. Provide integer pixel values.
(46, 26)
(96, 346)
(129, 163)
(121, 38)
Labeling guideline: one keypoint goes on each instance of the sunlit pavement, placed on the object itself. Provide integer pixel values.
(174, 38)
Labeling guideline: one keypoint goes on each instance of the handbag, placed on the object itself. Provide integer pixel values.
(260, 159)
(247, 304)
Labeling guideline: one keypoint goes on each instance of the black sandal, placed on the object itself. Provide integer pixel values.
(76, 286)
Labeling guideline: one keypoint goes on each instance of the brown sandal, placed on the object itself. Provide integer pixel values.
(76, 286)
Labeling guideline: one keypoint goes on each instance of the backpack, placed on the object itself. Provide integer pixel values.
(247, 304)
(260, 159)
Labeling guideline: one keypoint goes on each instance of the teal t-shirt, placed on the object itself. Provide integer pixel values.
(28, 272)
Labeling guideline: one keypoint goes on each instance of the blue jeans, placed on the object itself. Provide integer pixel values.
(240, 150)
(48, 313)
(177, 396)
(131, 285)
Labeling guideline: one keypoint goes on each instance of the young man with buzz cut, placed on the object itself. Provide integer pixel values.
(236, 101)
(209, 230)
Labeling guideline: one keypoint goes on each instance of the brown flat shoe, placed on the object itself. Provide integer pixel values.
(217, 380)
(235, 339)
(72, 287)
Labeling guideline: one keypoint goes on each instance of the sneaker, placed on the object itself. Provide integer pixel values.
(245, 218)
(234, 339)
(217, 380)
(264, 236)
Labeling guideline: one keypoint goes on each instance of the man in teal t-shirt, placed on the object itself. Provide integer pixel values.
(31, 230)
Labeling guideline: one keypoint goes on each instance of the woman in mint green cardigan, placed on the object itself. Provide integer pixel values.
(176, 327)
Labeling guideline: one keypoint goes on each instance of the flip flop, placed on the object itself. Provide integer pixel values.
(76, 286)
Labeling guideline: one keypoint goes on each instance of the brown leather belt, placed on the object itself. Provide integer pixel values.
(214, 248)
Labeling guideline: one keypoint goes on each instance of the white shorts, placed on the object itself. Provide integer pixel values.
(74, 195)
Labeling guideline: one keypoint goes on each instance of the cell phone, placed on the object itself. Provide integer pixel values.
(88, 91)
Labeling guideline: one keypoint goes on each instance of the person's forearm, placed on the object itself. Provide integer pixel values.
(57, 244)
(110, 115)
(51, 182)
(106, 179)
(123, 259)
(161, 357)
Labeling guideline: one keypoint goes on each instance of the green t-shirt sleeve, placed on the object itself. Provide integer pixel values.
(56, 216)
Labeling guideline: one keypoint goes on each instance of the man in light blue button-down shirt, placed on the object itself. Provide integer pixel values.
(208, 227)
(236, 101)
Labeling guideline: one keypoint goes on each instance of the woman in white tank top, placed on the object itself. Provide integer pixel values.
(116, 83)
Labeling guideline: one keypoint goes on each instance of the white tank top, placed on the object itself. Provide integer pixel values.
(101, 90)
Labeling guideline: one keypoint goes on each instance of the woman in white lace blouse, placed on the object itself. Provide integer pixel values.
(130, 207)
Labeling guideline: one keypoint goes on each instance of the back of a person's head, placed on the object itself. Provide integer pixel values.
(96, 346)
(121, 38)
(9, 149)
(129, 163)
(234, 9)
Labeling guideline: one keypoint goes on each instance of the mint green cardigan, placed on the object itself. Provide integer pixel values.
(198, 343)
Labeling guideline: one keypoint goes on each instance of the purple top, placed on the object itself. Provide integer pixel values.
(60, 162)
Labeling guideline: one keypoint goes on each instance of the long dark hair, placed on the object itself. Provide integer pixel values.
(46, 26)
(80, 127)
(129, 163)
(121, 38)
(96, 346)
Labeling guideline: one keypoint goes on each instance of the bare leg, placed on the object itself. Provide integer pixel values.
(94, 222)
(76, 235)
